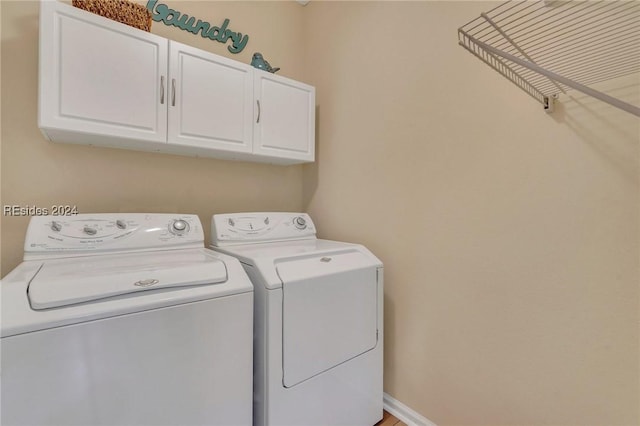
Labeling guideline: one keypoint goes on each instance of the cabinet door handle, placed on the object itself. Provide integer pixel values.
(162, 89)
(258, 119)
(173, 92)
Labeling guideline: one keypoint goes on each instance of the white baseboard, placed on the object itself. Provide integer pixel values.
(404, 413)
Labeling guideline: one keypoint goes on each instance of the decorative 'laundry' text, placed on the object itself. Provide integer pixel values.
(161, 12)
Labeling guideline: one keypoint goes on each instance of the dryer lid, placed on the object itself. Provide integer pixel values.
(67, 282)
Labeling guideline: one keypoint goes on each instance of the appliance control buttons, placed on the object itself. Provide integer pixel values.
(121, 224)
(89, 230)
(300, 222)
(179, 227)
(55, 226)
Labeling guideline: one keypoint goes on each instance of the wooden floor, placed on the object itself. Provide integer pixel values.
(389, 420)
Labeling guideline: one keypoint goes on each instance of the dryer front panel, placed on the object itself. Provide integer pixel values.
(329, 312)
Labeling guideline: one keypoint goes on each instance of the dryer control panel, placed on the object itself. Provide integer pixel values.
(247, 228)
(83, 234)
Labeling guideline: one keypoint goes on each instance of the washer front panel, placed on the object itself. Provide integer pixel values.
(188, 364)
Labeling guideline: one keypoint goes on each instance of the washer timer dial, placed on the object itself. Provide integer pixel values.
(300, 222)
(179, 227)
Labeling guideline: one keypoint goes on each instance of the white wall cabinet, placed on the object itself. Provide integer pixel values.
(210, 102)
(98, 78)
(104, 83)
(285, 119)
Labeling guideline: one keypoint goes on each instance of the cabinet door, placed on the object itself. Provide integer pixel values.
(209, 100)
(100, 77)
(285, 119)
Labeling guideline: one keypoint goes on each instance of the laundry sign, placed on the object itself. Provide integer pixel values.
(162, 13)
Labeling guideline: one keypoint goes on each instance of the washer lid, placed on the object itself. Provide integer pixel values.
(62, 283)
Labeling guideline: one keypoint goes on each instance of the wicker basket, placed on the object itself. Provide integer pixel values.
(135, 15)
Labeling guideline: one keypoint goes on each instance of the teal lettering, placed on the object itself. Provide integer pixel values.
(185, 23)
(202, 26)
(224, 37)
(173, 14)
(238, 43)
(216, 33)
(161, 12)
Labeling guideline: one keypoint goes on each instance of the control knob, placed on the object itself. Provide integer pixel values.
(300, 222)
(55, 226)
(90, 231)
(179, 227)
(121, 224)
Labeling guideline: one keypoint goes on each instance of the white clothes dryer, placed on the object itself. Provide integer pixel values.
(125, 319)
(317, 320)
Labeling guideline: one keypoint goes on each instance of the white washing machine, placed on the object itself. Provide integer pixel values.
(125, 319)
(317, 320)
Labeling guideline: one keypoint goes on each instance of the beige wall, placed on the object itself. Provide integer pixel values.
(509, 237)
(38, 172)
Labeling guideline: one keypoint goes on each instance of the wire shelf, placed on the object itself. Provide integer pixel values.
(550, 47)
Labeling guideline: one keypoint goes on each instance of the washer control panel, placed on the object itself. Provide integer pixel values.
(111, 232)
(246, 228)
